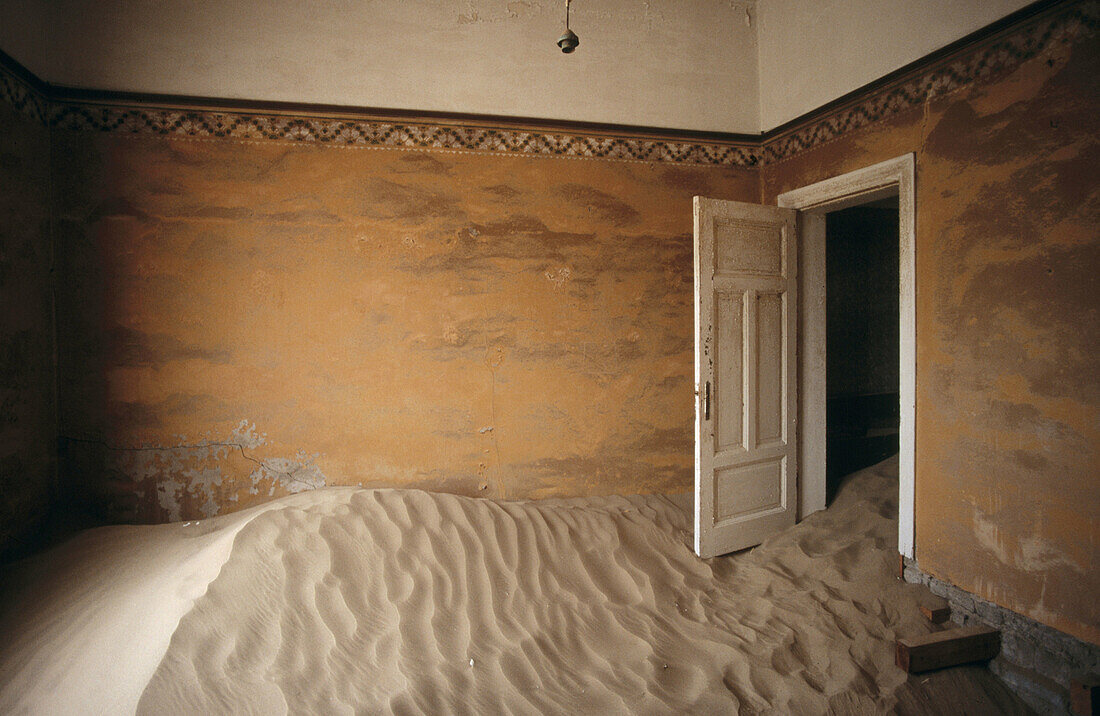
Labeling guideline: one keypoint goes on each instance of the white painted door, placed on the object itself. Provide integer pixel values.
(745, 374)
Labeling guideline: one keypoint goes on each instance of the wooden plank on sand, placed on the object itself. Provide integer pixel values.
(948, 648)
(936, 615)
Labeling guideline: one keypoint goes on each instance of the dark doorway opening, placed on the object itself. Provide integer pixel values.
(862, 342)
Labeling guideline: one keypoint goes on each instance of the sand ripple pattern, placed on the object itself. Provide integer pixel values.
(401, 601)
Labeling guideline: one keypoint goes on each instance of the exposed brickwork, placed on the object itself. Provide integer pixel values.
(1036, 661)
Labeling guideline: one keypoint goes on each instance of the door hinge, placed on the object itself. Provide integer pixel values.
(706, 401)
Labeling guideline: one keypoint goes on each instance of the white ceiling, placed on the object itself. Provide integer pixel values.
(813, 51)
(719, 65)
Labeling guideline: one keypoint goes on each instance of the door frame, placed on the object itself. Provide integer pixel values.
(885, 179)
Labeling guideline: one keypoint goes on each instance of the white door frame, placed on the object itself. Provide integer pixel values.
(894, 176)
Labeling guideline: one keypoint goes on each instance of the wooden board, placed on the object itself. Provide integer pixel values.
(968, 689)
(948, 648)
(936, 615)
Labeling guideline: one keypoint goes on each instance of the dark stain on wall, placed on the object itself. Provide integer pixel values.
(28, 407)
(607, 207)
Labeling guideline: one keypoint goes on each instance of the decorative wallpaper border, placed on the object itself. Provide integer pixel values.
(398, 135)
(26, 100)
(982, 60)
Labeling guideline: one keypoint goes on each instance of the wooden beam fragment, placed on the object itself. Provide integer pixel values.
(947, 648)
(935, 609)
(936, 614)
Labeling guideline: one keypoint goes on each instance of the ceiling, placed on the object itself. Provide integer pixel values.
(713, 65)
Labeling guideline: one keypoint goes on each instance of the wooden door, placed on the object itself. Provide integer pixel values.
(745, 374)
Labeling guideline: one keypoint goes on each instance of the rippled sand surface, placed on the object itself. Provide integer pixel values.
(350, 601)
(409, 601)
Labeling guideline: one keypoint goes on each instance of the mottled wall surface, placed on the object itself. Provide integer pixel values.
(1008, 401)
(28, 413)
(243, 319)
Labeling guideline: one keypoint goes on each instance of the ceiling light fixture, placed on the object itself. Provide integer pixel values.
(568, 41)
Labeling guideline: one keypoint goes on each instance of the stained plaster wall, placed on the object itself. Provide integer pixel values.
(28, 408)
(243, 319)
(1008, 404)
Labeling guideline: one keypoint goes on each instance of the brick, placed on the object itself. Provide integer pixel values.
(989, 613)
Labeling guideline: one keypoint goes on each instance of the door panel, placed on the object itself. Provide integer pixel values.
(745, 322)
(746, 248)
(769, 367)
(748, 489)
(728, 408)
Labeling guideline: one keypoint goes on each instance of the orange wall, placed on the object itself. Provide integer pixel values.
(28, 409)
(1008, 260)
(240, 319)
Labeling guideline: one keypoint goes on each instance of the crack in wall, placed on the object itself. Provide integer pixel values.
(493, 361)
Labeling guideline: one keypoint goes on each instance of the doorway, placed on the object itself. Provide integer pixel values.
(892, 178)
(861, 327)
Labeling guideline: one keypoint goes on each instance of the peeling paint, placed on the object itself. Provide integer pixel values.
(168, 497)
(1032, 553)
(296, 474)
(200, 479)
(559, 276)
(246, 436)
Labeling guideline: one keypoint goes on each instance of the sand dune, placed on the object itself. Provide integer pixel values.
(345, 600)
(84, 626)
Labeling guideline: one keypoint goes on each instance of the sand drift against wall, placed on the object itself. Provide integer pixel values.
(409, 601)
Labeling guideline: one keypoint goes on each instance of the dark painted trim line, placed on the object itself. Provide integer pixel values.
(14, 67)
